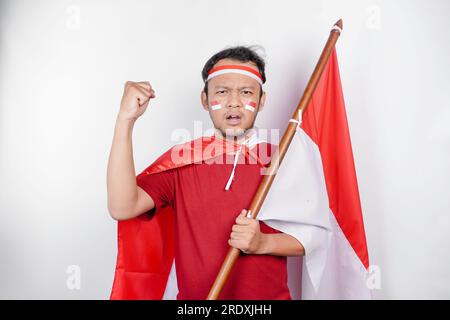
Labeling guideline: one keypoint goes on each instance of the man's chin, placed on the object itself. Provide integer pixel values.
(231, 133)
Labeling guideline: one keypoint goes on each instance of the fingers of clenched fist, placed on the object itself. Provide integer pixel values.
(142, 90)
(135, 99)
(245, 234)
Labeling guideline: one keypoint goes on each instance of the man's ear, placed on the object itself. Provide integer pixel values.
(204, 100)
(262, 101)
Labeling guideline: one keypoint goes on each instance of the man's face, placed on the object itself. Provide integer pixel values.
(233, 91)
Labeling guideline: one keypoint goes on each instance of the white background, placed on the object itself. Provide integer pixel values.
(62, 69)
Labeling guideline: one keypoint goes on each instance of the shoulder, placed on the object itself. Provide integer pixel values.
(264, 151)
(180, 155)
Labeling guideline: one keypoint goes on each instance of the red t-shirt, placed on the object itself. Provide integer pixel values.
(204, 215)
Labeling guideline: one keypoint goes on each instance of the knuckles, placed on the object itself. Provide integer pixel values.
(131, 85)
(128, 84)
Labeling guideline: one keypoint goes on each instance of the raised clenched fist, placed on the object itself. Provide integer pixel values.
(135, 99)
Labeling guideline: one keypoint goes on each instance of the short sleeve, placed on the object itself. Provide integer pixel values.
(159, 186)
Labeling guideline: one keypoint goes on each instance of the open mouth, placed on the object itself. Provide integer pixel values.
(233, 119)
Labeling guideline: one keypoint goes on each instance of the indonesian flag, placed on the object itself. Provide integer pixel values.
(215, 105)
(317, 192)
(251, 105)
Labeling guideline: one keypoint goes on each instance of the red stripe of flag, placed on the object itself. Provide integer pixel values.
(325, 122)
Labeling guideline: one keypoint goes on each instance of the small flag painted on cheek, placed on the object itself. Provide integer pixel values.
(215, 105)
(251, 106)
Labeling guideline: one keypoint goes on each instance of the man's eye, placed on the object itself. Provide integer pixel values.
(246, 92)
(220, 92)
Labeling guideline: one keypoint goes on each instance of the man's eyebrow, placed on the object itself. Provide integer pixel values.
(216, 87)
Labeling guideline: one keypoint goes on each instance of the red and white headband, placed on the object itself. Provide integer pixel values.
(247, 71)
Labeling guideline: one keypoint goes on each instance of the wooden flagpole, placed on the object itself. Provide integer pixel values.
(277, 158)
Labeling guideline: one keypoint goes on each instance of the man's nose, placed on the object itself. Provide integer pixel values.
(234, 101)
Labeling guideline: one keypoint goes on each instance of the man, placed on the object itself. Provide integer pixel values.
(209, 199)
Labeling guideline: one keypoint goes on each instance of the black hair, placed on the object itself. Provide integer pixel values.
(238, 53)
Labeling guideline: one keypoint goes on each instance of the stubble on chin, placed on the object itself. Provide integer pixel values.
(231, 132)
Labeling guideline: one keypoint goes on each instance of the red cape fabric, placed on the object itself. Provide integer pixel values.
(145, 249)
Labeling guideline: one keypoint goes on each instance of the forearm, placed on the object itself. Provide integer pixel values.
(121, 179)
(281, 244)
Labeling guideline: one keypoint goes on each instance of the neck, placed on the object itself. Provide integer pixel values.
(235, 139)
